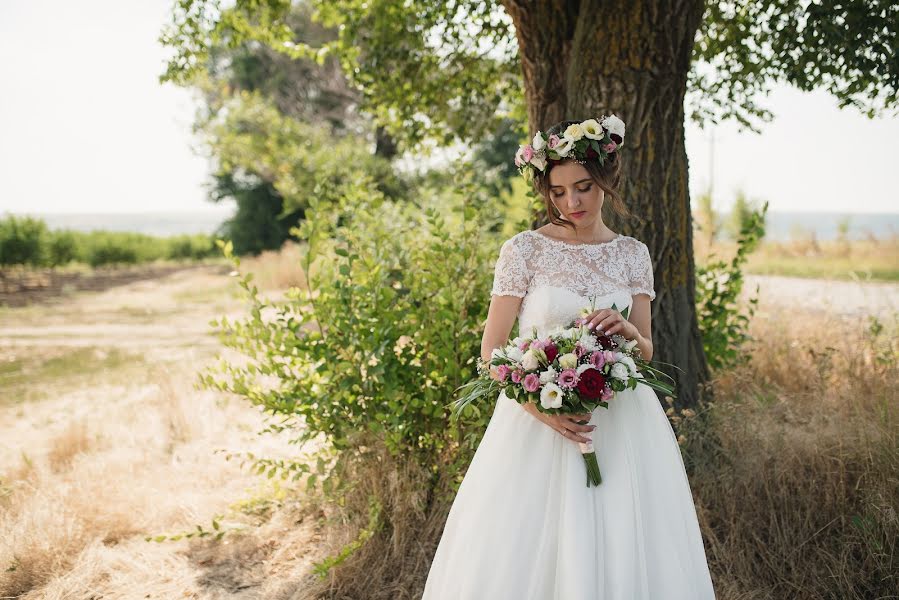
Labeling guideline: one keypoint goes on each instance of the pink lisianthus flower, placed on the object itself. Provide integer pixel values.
(516, 375)
(538, 344)
(610, 356)
(568, 378)
(531, 382)
(579, 350)
(553, 141)
(523, 346)
(598, 359)
(503, 372)
(607, 393)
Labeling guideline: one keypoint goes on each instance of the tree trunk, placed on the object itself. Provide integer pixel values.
(629, 57)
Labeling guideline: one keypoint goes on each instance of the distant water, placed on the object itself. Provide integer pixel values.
(158, 223)
(787, 225)
(780, 225)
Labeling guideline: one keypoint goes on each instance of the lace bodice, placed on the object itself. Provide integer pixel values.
(556, 278)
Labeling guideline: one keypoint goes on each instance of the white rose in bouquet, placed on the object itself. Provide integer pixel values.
(568, 361)
(529, 361)
(515, 354)
(620, 371)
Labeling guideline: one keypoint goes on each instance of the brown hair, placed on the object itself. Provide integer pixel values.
(607, 176)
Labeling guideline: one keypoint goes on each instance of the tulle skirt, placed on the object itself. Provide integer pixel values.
(525, 526)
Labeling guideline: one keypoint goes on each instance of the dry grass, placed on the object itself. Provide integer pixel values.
(276, 269)
(795, 468)
(74, 509)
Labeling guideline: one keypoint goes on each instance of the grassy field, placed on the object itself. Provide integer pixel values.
(104, 441)
(851, 260)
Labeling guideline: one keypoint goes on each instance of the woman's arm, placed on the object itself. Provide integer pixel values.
(500, 318)
(641, 317)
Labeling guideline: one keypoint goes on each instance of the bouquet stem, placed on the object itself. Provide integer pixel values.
(593, 476)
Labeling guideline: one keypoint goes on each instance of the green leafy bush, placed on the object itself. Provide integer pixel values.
(23, 241)
(366, 359)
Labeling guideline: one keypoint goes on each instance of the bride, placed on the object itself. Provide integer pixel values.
(523, 525)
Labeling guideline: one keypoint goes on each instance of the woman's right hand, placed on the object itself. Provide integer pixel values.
(566, 424)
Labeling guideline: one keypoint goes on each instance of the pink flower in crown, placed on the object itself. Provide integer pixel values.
(610, 147)
(531, 382)
(607, 393)
(553, 141)
(516, 375)
(598, 359)
(503, 372)
(568, 378)
(528, 153)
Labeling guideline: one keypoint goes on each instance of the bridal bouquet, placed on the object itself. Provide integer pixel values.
(571, 370)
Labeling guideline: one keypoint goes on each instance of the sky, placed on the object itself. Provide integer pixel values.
(86, 127)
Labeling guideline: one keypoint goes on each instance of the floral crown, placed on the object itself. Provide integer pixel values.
(590, 139)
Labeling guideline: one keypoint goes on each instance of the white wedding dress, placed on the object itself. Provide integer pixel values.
(524, 525)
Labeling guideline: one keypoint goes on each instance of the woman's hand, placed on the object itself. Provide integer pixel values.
(608, 321)
(566, 424)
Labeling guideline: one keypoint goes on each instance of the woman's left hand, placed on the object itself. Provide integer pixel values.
(609, 321)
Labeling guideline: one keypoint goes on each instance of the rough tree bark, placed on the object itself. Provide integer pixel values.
(629, 57)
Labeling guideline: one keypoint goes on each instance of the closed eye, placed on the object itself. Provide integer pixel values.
(586, 189)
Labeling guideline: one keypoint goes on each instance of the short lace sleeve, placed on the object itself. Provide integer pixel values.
(641, 276)
(511, 276)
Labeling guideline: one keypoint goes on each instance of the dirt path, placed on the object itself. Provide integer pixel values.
(848, 298)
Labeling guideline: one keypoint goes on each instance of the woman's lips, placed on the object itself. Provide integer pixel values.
(579, 214)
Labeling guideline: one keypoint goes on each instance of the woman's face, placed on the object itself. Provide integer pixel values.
(575, 194)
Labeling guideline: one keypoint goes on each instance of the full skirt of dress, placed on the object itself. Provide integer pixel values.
(525, 526)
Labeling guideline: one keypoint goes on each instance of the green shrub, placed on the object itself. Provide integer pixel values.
(723, 326)
(366, 359)
(23, 241)
(62, 248)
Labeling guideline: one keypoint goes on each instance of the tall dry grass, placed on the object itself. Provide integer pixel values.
(97, 472)
(795, 467)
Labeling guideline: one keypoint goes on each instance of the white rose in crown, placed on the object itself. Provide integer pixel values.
(614, 125)
(564, 146)
(529, 361)
(551, 396)
(538, 142)
(620, 371)
(539, 160)
(592, 129)
(574, 132)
